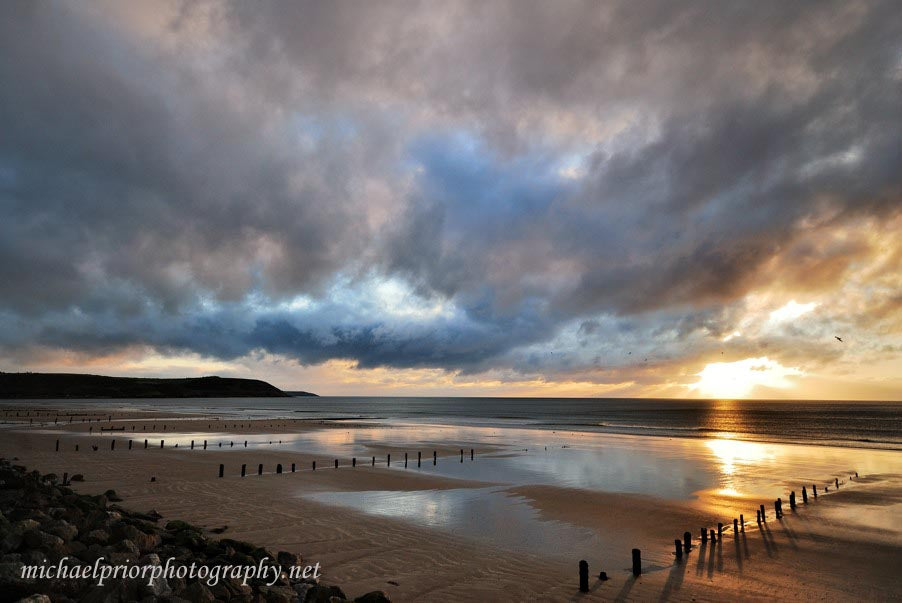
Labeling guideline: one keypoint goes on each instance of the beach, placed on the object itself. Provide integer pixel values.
(512, 523)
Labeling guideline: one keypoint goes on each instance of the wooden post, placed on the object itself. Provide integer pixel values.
(374, 461)
(314, 465)
(461, 455)
(763, 514)
(336, 463)
(777, 508)
(129, 444)
(354, 461)
(57, 445)
(687, 541)
(637, 562)
(76, 447)
(145, 444)
(205, 444)
(804, 495)
(279, 468)
(757, 516)
(260, 469)
(292, 467)
(112, 444)
(243, 470)
(419, 458)
(405, 460)
(245, 443)
(221, 469)
(792, 500)
(583, 576)
(434, 457)
(66, 475)
(192, 444)
(678, 548)
(388, 461)
(719, 531)
(161, 443)
(741, 522)
(471, 454)
(704, 536)
(836, 479)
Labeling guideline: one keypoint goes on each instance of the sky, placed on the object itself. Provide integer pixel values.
(523, 198)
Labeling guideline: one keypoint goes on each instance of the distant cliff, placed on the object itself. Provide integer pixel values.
(63, 385)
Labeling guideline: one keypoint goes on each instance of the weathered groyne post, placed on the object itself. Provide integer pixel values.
(704, 536)
(374, 461)
(292, 467)
(814, 490)
(129, 444)
(205, 444)
(804, 495)
(471, 454)
(637, 562)
(419, 457)
(279, 468)
(243, 470)
(678, 548)
(353, 461)
(57, 445)
(461, 455)
(145, 444)
(314, 465)
(836, 480)
(735, 528)
(792, 500)
(405, 460)
(687, 541)
(260, 469)
(161, 443)
(583, 576)
(741, 522)
(713, 536)
(719, 531)
(112, 444)
(192, 444)
(434, 457)
(763, 514)
(388, 460)
(336, 463)
(221, 469)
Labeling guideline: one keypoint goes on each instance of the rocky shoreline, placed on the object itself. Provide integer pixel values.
(45, 523)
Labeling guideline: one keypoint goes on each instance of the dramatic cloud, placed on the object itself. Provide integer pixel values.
(616, 195)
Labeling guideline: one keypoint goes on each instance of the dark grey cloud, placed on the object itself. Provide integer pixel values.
(612, 169)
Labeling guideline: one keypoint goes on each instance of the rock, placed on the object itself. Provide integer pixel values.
(78, 477)
(38, 539)
(602, 575)
(277, 594)
(61, 528)
(25, 525)
(112, 496)
(96, 537)
(198, 593)
(286, 560)
(35, 599)
(323, 594)
(376, 596)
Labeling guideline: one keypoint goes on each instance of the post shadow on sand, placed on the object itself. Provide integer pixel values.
(677, 573)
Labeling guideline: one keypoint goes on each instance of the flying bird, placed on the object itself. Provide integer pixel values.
(838, 338)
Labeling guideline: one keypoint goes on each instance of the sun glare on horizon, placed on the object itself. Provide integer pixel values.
(738, 379)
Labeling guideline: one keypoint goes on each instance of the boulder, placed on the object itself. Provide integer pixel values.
(318, 593)
(376, 596)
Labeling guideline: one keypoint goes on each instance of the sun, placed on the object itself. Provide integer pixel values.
(738, 379)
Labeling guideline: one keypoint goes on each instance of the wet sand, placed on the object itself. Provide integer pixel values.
(816, 552)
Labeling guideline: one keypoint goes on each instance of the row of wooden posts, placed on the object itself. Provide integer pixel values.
(162, 444)
(685, 545)
(353, 463)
